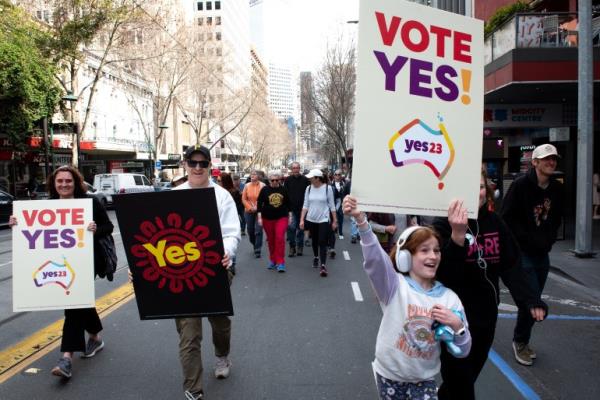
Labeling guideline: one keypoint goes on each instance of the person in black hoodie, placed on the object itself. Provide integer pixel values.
(533, 210)
(475, 254)
(296, 185)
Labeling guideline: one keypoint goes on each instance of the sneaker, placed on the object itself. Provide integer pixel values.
(531, 352)
(315, 262)
(341, 237)
(281, 268)
(300, 251)
(292, 252)
(222, 367)
(190, 396)
(271, 265)
(308, 243)
(243, 233)
(323, 271)
(93, 346)
(63, 368)
(232, 269)
(353, 239)
(332, 253)
(521, 354)
(257, 254)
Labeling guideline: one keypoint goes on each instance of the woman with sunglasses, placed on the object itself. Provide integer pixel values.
(67, 183)
(274, 214)
(476, 253)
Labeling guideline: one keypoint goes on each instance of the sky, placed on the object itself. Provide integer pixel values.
(307, 25)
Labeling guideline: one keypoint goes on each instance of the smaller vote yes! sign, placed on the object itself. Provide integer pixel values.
(53, 261)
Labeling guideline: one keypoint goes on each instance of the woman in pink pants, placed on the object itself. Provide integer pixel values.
(274, 215)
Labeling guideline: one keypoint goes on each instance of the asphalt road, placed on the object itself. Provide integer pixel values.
(295, 336)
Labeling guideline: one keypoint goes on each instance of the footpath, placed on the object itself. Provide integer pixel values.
(582, 272)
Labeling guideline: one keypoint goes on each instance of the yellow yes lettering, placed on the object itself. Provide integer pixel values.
(174, 255)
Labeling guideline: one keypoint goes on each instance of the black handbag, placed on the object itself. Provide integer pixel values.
(108, 252)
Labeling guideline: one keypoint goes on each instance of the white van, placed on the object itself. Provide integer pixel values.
(111, 184)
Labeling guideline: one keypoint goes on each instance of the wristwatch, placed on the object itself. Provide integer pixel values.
(461, 331)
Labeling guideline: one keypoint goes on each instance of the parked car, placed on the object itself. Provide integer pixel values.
(162, 186)
(6, 206)
(114, 184)
(102, 198)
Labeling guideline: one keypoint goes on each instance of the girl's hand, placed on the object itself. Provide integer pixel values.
(301, 224)
(538, 313)
(350, 206)
(444, 316)
(334, 225)
(92, 227)
(458, 220)
(391, 229)
(12, 221)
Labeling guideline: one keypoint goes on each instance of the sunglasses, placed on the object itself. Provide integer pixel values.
(274, 180)
(201, 163)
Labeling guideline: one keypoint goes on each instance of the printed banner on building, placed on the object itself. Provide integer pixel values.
(174, 248)
(522, 115)
(53, 255)
(419, 109)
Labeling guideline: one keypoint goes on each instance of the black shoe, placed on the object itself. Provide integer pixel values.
(292, 252)
(300, 251)
(257, 254)
(323, 271)
(315, 262)
(353, 240)
(332, 253)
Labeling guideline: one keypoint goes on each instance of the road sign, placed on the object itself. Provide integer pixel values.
(158, 164)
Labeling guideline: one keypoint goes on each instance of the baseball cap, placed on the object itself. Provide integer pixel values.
(196, 149)
(314, 172)
(544, 150)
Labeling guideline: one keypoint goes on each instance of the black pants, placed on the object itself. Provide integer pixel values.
(459, 374)
(319, 234)
(77, 322)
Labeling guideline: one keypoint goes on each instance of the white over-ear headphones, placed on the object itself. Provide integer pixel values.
(403, 257)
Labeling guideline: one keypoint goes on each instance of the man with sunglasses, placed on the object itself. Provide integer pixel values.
(197, 167)
(295, 185)
(533, 210)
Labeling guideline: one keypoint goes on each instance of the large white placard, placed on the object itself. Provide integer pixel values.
(53, 255)
(419, 109)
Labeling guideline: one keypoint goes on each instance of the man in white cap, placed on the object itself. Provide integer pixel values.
(533, 210)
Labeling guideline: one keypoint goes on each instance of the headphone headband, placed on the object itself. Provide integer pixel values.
(405, 235)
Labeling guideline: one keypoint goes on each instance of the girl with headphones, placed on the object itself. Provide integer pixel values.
(407, 355)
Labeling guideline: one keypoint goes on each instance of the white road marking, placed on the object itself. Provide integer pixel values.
(572, 303)
(508, 307)
(356, 290)
(346, 255)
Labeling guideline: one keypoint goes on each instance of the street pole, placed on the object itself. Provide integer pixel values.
(585, 130)
(46, 161)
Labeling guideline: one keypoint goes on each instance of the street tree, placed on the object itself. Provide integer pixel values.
(28, 91)
(334, 92)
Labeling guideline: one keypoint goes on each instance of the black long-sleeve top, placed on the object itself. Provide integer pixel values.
(476, 286)
(532, 213)
(273, 203)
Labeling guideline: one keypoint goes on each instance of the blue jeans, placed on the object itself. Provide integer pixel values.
(295, 235)
(340, 220)
(255, 232)
(536, 269)
(353, 228)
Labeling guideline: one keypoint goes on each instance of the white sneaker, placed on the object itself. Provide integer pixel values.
(222, 367)
(341, 237)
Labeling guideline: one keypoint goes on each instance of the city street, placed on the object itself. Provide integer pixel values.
(295, 336)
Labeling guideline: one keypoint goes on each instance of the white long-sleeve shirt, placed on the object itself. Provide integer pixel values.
(228, 217)
(406, 350)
